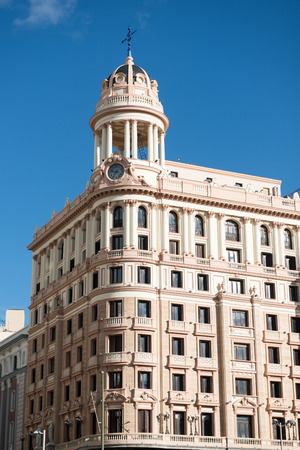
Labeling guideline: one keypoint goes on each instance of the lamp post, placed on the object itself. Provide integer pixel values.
(166, 417)
(40, 432)
(22, 439)
(290, 424)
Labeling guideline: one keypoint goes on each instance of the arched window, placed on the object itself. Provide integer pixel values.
(199, 226)
(264, 237)
(142, 217)
(118, 217)
(288, 239)
(231, 231)
(173, 222)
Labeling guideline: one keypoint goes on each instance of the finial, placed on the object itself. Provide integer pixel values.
(128, 39)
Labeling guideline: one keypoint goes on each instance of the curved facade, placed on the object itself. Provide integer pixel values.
(179, 282)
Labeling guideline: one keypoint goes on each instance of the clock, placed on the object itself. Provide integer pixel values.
(115, 172)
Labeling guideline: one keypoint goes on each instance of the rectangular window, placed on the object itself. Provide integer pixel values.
(143, 243)
(241, 352)
(239, 318)
(33, 375)
(115, 343)
(174, 174)
(144, 308)
(79, 353)
(178, 382)
(267, 259)
(67, 393)
(297, 389)
(115, 308)
(242, 386)
(144, 343)
(78, 388)
(244, 426)
(202, 281)
(72, 264)
(269, 290)
(179, 422)
(81, 289)
(177, 312)
(93, 347)
(272, 322)
(69, 326)
(97, 247)
(51, 365)
(115, 421)
(94, 313)
(115, 275)
(206, 424)
(294, 293)
(233, 255)
(68, 359)
(70, 296)
(275, 389)
(174, 247)
(290, 262)
(38, 288)
(42, 371)
(199, 251)
(50, 399)
(115, 380)
(205, 349)
(144, 275)
(203, 314)
(176, 279)
(34, 346)
(52, 334)
(177, 346)
(296, 357)
(206, 384)
(40, 403)
(144, 420)
(117, 242)
(295, 324)
(93, 382)
(80, 320)
(236, 286)
(31, 406)
(95, 280)
(144, 380)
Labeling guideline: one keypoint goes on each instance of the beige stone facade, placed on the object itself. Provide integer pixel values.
(180, 282)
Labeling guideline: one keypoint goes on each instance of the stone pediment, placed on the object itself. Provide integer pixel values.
(244, 402)
(115, 397)
(145, 397)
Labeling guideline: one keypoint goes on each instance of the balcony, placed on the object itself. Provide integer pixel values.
(204, 363)
(178, 326)
(116, 358)
(206, 399)
(272, 336)
(277, 404)
(295, 371)
(78, 334)
(180, 397)
(144, 358)
(143, 323)
(276, 369)
(204, 328)
(241, 331)
(242, 365)
(115, 322)
(93, 361)
(78, 368)
(179, 361)
(294, 338)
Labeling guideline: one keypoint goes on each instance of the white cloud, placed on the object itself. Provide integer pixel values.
(143, 18)
(5, 3)
(47, 12)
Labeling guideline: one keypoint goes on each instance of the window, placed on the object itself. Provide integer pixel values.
(206, 384)
(115, 421)
(174, 174)
(288, 239)
(244, 426)
(233, 255)
(118, 217)
(199, 251)
(34, 345)
(115, 275)
(115, 308)
(203, 315)
(79, 353)
(115, 379)
(144, 343)
(67, 393)
(115, 343)
(276, 429)
(264, 237)
(179, 422)
(177, 312)
(297, 389)
(81, 288)
(31, 406)
(174, 247)
(240, 318)
(35, 317)
(78, 388)
(275, 389)
(176, 279)
(273, 353)
(242, 386)
(51, 365)
(72, 264)
(80, 321)
(42, 371)
(240, 185)
(70, 296)
(202, 282)
(290, 262)
(231, 231)
(52, 334)
(60, 273)
(295, 324)
(15, 362)
(178, 382)
(144, 308)
(272, 322)
(205, 349)
(93, 382)
(142, 217)
(206, 424)
(94, 423)
(94, 312)
(38, 288)
(117, 242)
(144, 380)
(95, 280)
(68, 359)
(296, 357)
(97, 247)
(61, 251)
(269, 290)
(294, 293)
(241, 352)
(50, 398)
(173, 222)
(267, 259)
(236, 286)
(40, 403)
(208, 180)
(144, 275)
(177, 346)
(69, 326)
(33, 375)
(45, 309)
(144, 421)
(93, 347)
(199, 226)
(143, 243)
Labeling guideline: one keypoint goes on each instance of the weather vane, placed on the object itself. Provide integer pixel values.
(128, 39)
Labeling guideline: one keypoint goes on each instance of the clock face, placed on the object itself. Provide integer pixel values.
(115, 172)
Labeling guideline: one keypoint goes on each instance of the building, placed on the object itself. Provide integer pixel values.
(13, 364)
(14, 321)
(180, 282)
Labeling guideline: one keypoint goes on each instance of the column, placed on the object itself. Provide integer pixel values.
(191, 231)
(96, 150)
(212, 236)
(134, 139)
(106, 229)
(77, 244)
(127, 139)
(256, 232)
(127, 224)
(155, 143)
(185, 231)
(33, 275)
(248, 241)
(103, 144)
(150, 142)
(221, 229)
(298, 246)
(134, 224)
(90, 234)
(165, 228)
(153, 236)
(281, 245)
(102, 218)
(276, 244)
(109, 140)
(54, 261)
(65, 253)
(162, 149)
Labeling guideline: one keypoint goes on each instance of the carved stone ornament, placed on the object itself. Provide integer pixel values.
(245, 402)
(115, 397)
(145, 396)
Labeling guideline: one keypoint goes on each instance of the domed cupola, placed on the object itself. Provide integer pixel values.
(129, 117)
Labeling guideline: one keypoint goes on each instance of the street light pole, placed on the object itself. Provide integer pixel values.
(102, 410)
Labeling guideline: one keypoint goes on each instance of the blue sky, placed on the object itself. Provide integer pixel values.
(228, 75)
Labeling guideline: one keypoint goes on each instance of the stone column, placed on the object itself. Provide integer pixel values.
(106, 229)
(212, 236)
(153, 235)
(103, 144)
(90, 234)
(109, 140)
(102, 218)
(77, 243)
(248, 241)
(162, 149)
(165, 229)
(134, 139)
(155, 143)
(127, 224)
(33, 275)
(54, 261)
(276, 244)
(127, 139)
(221, 229)
(43, 269)
(66, 253)
(96, 150)
(134, 224)
(298, 246)
(150, 142)
(281, 244)
(256, 232)
(191, 231)
(185, 231)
